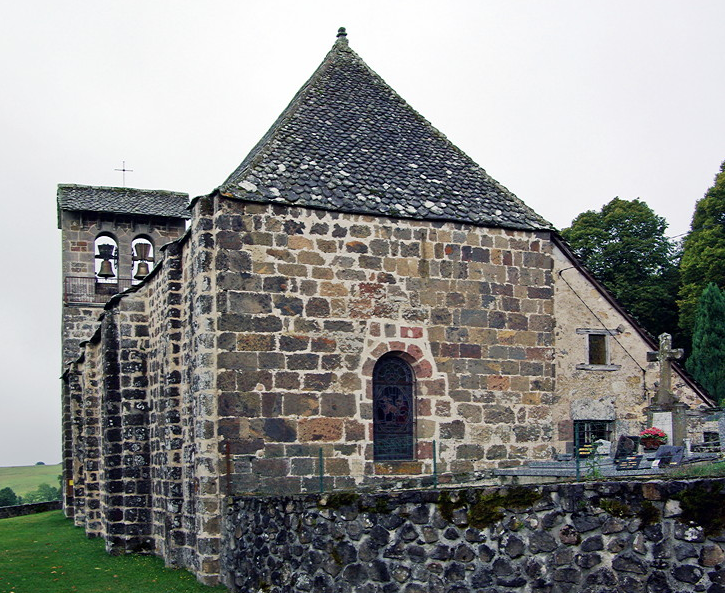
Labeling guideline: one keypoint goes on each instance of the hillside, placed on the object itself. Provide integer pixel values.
(26, 478)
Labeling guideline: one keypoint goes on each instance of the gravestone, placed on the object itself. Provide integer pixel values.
(664, 421)
(630, 462)
(668, 455)
(604, 447)
(626, 446)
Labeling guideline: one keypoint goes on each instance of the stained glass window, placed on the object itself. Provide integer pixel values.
(393, 410)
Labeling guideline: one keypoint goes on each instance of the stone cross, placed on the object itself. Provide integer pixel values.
(665, 355)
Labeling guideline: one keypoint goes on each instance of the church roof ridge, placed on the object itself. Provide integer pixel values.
(348, 142)
(122, 200)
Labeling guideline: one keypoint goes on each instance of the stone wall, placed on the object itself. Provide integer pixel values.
(617, 392)
(21, 510)
(593, 537)
(309, 300)
(701, 422)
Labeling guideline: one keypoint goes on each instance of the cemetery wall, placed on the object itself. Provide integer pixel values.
(20, 510)
(604, 537)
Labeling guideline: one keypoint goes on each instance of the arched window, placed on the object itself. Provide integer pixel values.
(393, 410)
(106, 256)
(143, 257)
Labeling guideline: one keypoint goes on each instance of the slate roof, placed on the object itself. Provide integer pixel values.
(348, 142)
(122, 200)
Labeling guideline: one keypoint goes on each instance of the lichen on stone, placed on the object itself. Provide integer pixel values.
(615, 507)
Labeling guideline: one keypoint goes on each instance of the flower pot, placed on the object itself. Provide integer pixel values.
(651, 444)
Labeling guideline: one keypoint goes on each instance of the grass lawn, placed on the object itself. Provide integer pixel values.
(46, 553)
(26, 478)
(706, 469)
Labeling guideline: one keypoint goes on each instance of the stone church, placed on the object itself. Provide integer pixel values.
(357, 297)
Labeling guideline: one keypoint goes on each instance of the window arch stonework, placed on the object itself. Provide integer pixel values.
(430, 398)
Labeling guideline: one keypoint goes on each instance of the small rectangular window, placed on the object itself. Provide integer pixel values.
(598, 349)
(711, 440)
(588, 431)
(597, 345)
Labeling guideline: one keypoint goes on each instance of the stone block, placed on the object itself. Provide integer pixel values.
(288, 305)
(298, 404)
(498, 414)
(337, 466)
(338, 405)
(293, 343)
(320, 429)
(287, 380)
(280, 430)
(317, 381)
(271, 467)
(249, 303)
(354, 430)
(255, 342)
(453, 430)
(303, 361)
(470, 412)
(239, 404)
(237, 360)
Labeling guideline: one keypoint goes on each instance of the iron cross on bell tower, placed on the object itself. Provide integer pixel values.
(124, 170)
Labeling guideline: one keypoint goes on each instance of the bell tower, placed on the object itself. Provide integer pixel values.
(110, 239)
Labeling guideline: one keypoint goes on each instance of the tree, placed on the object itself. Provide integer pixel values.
(703, 253)
(625, 246)
(43, 493)
(8, 497)
(707, 361)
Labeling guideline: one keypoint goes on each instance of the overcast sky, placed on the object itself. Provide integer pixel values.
(566, 103)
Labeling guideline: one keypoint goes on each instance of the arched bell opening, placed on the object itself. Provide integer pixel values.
(106, 259)
(142, 257)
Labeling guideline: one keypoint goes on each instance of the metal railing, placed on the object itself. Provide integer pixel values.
(78, 289)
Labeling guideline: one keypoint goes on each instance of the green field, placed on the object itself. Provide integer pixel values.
(46, 553)
(26, 478)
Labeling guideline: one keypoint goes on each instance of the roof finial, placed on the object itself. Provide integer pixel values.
(341, 33)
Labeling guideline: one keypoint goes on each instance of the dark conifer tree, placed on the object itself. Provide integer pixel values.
(703, 254)
(707, 360)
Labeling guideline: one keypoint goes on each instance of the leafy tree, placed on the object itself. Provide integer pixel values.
(707, 361)
(43, 493)
(8, 497)
(625, 246)
(703, 254)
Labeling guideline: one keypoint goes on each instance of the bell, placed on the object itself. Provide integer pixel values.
(142, 271)
(142, 252)
(105, 251)
(106, 270)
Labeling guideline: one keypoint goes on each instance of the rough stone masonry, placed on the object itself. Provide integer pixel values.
(604, 537)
